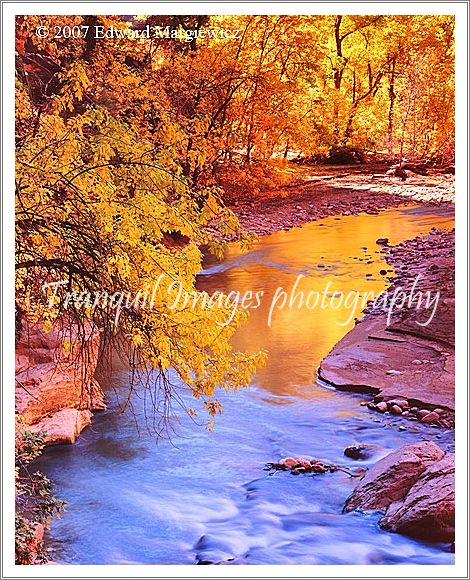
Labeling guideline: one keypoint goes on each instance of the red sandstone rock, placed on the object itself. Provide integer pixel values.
(403, 403)
(428, 510)
(359, 362)
(64, 426)
(430, 418)
(412, 357)
(390, 479)
(288, 462)
(55, 388)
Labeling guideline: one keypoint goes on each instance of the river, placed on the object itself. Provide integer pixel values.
(203, 496)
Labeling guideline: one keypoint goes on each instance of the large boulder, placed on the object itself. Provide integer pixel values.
(345, 155)
(63, 427)
(391, 478)
(428, 510)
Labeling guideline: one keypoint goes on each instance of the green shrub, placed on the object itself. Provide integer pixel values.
(34, 499)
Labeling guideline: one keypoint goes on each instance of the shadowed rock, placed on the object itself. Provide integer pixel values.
(428, 510)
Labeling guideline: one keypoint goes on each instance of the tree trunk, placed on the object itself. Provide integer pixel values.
(90, 42)
(348, 131)
(249, 147)
(338, 73)
(391, 92)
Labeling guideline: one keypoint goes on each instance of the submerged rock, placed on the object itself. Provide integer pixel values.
(382, 241)
(361, 451)
(303, 465)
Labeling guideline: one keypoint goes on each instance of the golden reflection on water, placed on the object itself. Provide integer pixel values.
(335, 258)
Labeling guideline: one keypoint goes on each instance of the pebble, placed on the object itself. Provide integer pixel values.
(416, 361)
(393, 372)
(382, 406)
(403, 403)
(396, 410)
(302, 463)
(318, 468)
(422, 413)
(430, 418)
(288, 462)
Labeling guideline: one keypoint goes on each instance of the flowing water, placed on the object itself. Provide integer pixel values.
(204, 496)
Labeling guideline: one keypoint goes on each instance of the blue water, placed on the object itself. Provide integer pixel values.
(203, 496)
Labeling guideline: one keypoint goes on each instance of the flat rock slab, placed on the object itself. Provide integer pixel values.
(372, 359)
(63, 427)
(396, 356)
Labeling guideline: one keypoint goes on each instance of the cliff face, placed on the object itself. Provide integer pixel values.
(55, 390)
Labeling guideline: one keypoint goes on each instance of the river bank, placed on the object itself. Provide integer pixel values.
(204, 496)
(339, 191)
(56, 391)
(407, 359)
(416, 364)
(405, 355)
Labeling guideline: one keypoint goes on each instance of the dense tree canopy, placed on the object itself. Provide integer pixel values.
(123, 142)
